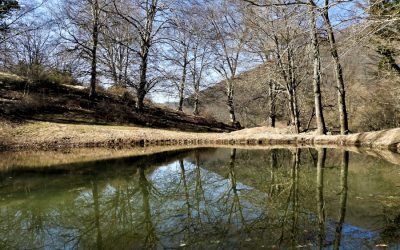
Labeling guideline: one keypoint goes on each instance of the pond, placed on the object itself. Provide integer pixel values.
(210, 198)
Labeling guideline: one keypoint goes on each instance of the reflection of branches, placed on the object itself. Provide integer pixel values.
(320, 197)
(273, 162)
(187, 197)
(295, 202)
(199, 191)
(236, 200)
(343, 198)
(185, 186)
(146, 187)
(95, 194)
(293, 199)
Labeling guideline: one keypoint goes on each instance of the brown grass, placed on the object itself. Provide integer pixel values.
(47, 135)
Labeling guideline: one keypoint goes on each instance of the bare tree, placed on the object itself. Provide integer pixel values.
(278, 39)
(33, 49)
(179, 41)
(312, 12)
(95, 25)
(15, 21)
(230, 38)
(344, 125)
(80, 23)
(115, 55)
(199, 65)
(190, 49)
(142, 16)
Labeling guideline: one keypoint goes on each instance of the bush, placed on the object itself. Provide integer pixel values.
(61, 77)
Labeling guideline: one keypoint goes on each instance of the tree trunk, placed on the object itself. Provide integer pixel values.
(296, 111)
(196, 82)
(146, 42)
(230, 102)
(293, 108)
(183, 81)
(141, 91)
(95, 38)
(344, 126)
(321, 129)
(272, 107)
(196, 104)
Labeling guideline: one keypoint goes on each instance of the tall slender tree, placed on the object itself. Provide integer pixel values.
(230, 38)
(95, 41)
(80, 23)
(141, 15)
(316, 57)
(278, 39)
(340, 85)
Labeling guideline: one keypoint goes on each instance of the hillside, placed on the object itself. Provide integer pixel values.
(372, 93)
(24, 100)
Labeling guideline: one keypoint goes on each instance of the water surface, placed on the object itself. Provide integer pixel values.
(205, 199)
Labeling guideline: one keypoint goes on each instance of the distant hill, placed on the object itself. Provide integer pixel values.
(372, 94)
(22, 99)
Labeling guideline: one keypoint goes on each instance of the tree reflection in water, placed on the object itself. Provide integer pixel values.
(150, 238)
(320, 197)
(344, 171)
(236, 207)
(198, 199)
(95, 195)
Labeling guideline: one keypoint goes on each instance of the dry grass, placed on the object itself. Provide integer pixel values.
(40, 134)
(47, 135)
(4, 76)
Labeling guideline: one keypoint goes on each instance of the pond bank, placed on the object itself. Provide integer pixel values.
(64, 158)
(46, 135)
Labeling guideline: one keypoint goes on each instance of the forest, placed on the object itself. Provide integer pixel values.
(327, 66)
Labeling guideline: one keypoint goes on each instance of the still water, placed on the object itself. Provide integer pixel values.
(205, 199)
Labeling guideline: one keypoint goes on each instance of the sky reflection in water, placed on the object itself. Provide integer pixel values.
(205, 198)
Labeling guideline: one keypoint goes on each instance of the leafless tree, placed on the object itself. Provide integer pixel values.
(278, 39)
(200, 64)
(33, 49)
(315, 51)
(80, 23)
(341, 91)
(143, 18)
(181, 33)
(230, 38)
(116, 57)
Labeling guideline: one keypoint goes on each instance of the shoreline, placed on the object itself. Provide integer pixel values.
(50, 136)
(36, 160)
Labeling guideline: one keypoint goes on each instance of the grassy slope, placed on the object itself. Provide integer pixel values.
(22, 100)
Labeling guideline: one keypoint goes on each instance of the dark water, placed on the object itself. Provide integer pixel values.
(205, 199)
